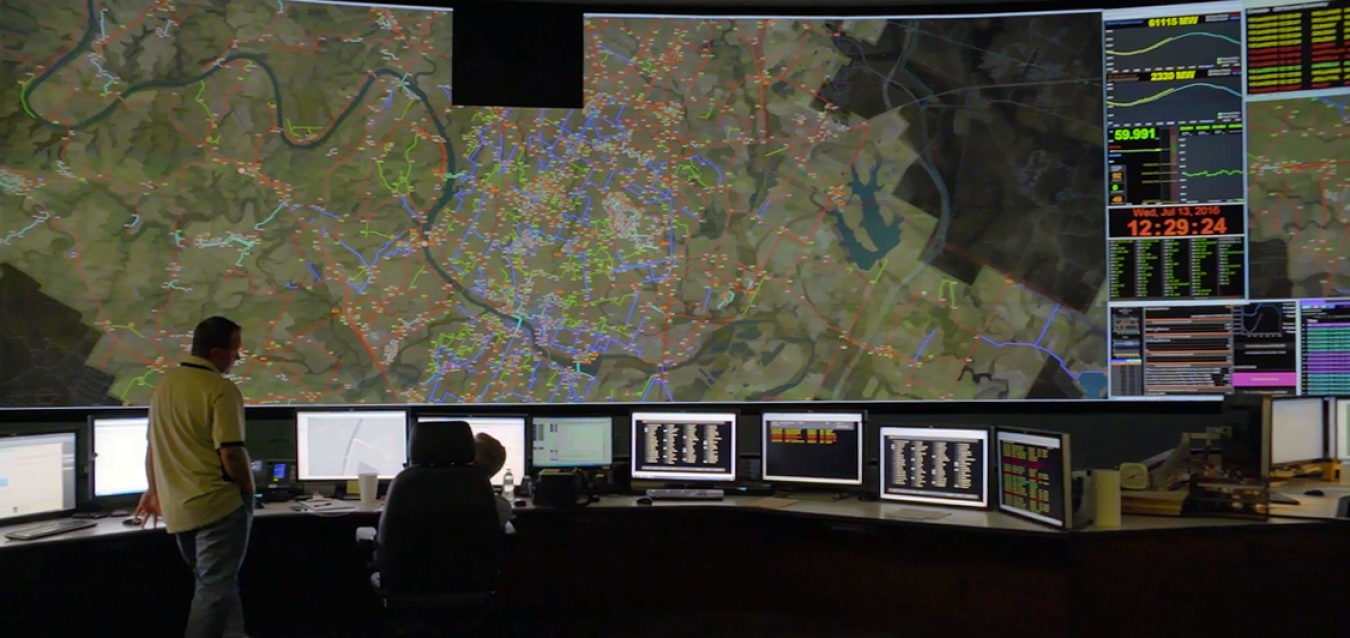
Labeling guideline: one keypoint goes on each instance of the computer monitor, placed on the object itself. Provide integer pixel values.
(572, 441)
(339, 445)
(684, 446)
(1343, 428)
(1298, 430)
(1034, 475)
(119, 454)
(509, 430)
(942, 466)
(813, 447)
(37, 475)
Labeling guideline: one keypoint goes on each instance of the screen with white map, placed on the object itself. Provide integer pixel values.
(337, 446)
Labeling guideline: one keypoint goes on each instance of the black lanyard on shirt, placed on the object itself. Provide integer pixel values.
(198, 366)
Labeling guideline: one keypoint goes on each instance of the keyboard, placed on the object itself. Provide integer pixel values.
(50, 529)
(684, 495)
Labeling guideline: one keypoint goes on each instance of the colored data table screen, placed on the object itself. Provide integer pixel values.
(1298, 47)
(813, 448)
(1033, 477)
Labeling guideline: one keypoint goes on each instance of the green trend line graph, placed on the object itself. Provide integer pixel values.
(1158, 96)
(1170, 40)
(1218, 173)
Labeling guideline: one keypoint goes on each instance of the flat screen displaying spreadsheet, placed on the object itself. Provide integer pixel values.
(943, 466)
(684, 446)
(813, 447)
(572, 441)
(1034, 475)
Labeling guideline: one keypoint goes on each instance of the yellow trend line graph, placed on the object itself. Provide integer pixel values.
(1158, 96)
(1166, 41)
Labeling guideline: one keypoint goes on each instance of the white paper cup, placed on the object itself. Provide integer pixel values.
(369, 484)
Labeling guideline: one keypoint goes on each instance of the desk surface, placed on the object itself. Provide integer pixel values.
(842, 511)
(1314, 507)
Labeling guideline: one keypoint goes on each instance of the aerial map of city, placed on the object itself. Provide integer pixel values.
(745, 210)
(1296, 198)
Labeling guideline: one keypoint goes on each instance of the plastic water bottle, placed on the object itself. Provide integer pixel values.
(508, 485)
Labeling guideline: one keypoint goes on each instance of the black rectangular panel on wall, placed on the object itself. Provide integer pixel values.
(518, 54)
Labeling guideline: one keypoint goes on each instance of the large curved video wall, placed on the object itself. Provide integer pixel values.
(1141, 203)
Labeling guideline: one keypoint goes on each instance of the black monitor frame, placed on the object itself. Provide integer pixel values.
(1066, 478)
(799, 481)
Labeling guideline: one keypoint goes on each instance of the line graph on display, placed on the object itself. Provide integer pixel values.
(1173, 47)
(1261, 320)
(1179, 102)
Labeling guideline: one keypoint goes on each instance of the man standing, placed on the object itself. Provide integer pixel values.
(199, 474)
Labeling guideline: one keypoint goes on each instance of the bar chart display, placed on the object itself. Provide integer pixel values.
(935, 465)
(687, 446)
(1033, 475)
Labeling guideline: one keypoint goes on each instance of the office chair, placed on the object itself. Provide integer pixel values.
(437, 551)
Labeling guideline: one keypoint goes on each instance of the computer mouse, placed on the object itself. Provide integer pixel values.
(520, 502)
(1314, 493)
(131, 521)
(644, 501)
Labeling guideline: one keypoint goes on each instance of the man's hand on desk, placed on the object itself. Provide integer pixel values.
(148, 510)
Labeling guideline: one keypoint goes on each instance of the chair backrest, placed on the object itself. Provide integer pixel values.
(440, 534)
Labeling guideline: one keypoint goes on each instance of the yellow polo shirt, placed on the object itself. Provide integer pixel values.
(194, 411)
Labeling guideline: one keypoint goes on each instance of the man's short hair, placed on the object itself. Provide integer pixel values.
(488, 453)
(212, 333)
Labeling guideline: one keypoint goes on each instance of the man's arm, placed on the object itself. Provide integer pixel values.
(234, 458)
(148, 509)
(227, 432)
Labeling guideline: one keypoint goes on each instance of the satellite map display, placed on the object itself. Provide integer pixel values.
(746, 210)
(1300, 225)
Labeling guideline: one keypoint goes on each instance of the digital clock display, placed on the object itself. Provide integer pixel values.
(1176, 221)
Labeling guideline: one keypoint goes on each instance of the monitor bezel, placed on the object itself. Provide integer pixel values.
(764, 448)
(1270, 430)
(985, 503)
(675, 476)
(74, 483)
(529, 442)
(461, 415)
(1067, 478)
(300, 476)
(93, 452)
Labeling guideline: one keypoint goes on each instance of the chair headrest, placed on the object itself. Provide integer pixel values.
(441, 443)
